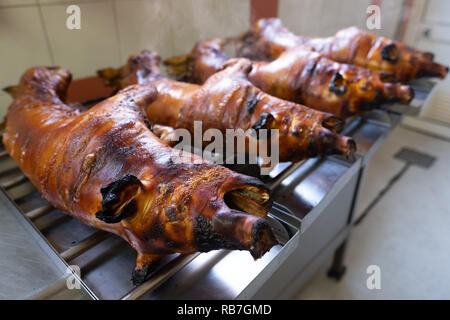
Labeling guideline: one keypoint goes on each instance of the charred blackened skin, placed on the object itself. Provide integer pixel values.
(206, 239)
(327, 141)
(140, 275)
(269, 38)
(229, 98)
(258, 233)
(312, 149)
(337, 84)
(111, 194)
(298, 75)
(171, 214)
(104, 166)
(389, 53)
(310, 67)
(155, 231)
(263, 123)
(251, 103)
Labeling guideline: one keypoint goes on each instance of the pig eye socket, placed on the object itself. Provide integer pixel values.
(119, 199)
(265, 121)
(390, 53)
(338, 84)
(428, 56)
(333, 123)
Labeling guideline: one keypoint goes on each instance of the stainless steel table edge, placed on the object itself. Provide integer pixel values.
(46, 247)
(251, 289)
(309, 219)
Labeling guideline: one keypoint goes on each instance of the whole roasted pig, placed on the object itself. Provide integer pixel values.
(106, 168)
(302, 76)
(269, 38)
(228, 100)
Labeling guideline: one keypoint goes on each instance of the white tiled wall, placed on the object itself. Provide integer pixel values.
(206, 19)
(5, 101)
(391, 13)
(172, 27)
(94, 45)
(33, 32)
(22, 44)
(437, 11)
(144, 25)
(436, 20)
(9, 3)
(324, 17)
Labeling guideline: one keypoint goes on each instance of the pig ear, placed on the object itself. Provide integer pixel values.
(111, 77)
(338, 85)
(11, 90)
(390, 53)
(119, 199)
(178, 65)
(265, 121)
(237, 65)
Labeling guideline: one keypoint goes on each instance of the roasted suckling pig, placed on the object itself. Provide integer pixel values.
(105, 167)
(227, 100)
(299, 75)
(269, 38)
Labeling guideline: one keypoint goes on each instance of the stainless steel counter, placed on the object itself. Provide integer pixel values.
(28, 265)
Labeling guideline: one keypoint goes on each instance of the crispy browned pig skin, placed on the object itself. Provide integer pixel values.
(299, 75)
(105, 168)
(269, 38)
(228, 100)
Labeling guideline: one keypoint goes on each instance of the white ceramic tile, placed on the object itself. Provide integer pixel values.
(301, 17)
(391, 13)
(172, 27)
(438, 11)
(322, 18)
(50, 2)
(5, 101)
(352, 13)
(144, 25)
(86, 50)
(346, 13)
(16, 3)
(22, 42)
(325, 17)
(329, 17)
(193, 20)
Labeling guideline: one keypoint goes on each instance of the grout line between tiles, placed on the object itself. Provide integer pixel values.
(68, 2)
(47, 40)
(23, 5)
(116, 26)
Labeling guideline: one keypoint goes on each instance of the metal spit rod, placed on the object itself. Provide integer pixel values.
(275, 182)
(84, 245)
(54, 222)
(14, 181)
(38, 212)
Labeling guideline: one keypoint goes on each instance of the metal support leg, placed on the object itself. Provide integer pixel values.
(337, 269)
